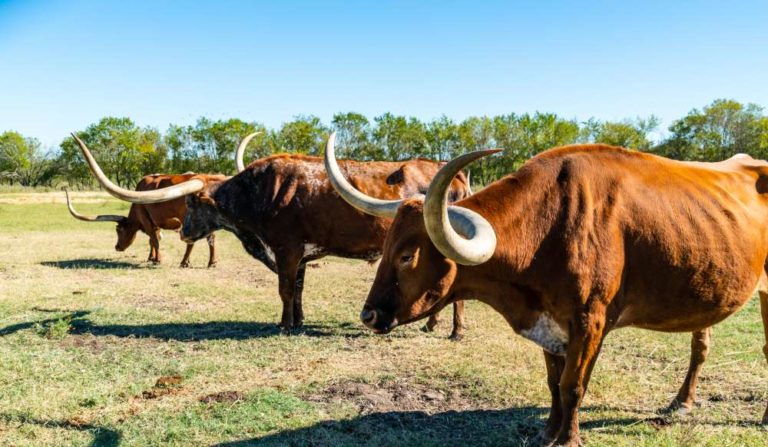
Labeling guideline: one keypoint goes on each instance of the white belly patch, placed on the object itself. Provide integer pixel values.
(547, 334)
(312, 250)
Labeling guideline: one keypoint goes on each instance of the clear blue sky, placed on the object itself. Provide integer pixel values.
(65, 64)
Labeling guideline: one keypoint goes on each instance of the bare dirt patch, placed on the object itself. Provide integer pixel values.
(84, 341)
(399, 395)
(165, 385)
(221, 397)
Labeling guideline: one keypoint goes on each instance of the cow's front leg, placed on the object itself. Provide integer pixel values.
(287, 270)
(212, 260)
(585, 339)
(555, 365)
(433, 321)
(298, 309)
(187, 254)
(683, 402)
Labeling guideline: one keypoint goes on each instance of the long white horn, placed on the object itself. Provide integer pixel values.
(469, 184)
(458, 233)
(156, 196)
(99, 218)
(241, 151)
(366, 204)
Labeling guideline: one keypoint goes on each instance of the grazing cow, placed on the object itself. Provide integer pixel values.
(151, 219)
(579, 241)
(286, 213)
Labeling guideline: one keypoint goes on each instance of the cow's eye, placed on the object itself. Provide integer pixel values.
(406, 259)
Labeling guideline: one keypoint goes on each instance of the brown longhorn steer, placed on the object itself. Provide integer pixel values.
(151, 219)
(579, 241)
(286, 213)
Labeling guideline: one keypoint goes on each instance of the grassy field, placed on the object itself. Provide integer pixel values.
(101, 348)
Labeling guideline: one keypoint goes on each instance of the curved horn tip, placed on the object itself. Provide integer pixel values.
(359, 200)
(239, 164)
(458, 233)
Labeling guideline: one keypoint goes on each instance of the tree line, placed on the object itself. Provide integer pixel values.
(126, 151)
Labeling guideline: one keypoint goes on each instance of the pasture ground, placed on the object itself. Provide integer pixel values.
(101, 348)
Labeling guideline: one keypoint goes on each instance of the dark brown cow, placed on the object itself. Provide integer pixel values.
(152, 218)
(579, 241)
(286, 213)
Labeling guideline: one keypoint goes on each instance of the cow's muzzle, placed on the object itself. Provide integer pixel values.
(375, 320)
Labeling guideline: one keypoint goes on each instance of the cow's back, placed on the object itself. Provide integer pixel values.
(299, 198)
(662, 235)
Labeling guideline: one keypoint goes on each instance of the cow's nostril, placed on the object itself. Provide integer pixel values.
(368, 317)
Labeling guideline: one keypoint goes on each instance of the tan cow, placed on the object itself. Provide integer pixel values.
(581, 240)
(151, 219)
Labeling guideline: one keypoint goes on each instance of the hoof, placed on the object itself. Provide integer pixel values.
(678, 408)
(456, 337)
(426, 328)
(184, 265)
(569, 443)
(212, 265)
(298, 324)
(543, 439)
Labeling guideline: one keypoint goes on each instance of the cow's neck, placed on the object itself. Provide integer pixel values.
(522, 219)
(241, 215)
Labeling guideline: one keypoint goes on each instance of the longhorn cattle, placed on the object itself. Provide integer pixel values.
(286, 213)
(151, 219)
(581, 240)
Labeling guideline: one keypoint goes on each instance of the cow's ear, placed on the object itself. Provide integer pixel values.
(204, 198)
(396, 177)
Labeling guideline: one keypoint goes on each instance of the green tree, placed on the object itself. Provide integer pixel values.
(303, 135)
(353, 135)
(398, 138)
(22, 161)
(443, 139)
(212, 144)
(633, 134)
(125, 152)
(719, 131)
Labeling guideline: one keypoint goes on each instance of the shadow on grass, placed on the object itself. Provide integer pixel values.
(90, 263)
(513, 426)
(102, 436)
(13, 328)
(210, 330)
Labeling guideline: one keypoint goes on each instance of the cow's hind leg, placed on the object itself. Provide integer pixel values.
(458, 321)
(684, 401)
(457, 333)
(212, 260)
(154, 248)
(298, 309)
(187, 254)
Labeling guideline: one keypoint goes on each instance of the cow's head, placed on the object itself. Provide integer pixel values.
(203, 217)
(126, 229)
(126, 233)
(422, 250)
